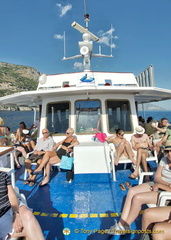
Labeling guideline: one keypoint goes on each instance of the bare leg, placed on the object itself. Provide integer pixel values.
(165, 235)
(119, 152)
(46, 159)
(153, 215)
(27, 163)
(33, 177)
(52, 160)
(16, 160)
(136, 171)
(130, 152)
(143, 188)
(47, 176)
(23, 151)
(32, 144)
(138, 200)
(31, 226)
(157, 147)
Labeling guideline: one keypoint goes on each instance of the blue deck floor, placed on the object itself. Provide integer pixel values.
(82, 210)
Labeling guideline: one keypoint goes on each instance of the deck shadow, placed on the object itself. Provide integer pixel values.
(49, 217)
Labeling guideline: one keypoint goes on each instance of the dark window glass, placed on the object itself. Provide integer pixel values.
(119, 115)
(58, 117)
(88, 116)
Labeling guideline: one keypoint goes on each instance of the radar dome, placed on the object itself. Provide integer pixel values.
(43, 79)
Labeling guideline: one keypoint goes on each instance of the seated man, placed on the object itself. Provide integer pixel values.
(140, 143)
(52, 157)
(44, 144)
(16, 219)
(162, 133)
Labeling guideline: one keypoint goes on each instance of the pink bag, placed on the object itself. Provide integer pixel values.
(100, 137)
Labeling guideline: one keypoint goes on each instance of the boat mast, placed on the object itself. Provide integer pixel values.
(86, 46)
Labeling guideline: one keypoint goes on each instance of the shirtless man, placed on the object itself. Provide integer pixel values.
(140, 143)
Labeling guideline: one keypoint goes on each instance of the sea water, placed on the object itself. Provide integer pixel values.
(13, 118)
(156, 115)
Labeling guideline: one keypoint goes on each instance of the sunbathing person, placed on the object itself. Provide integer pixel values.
(16, 219)
(52, 157)
(140, 143)
(158, 220)
(23, 144)
(146, 193)
(122, 146)
(44, 144)
(3, 132)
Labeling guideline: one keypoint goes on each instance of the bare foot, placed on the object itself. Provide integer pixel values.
(133, 175)
(44, 182)
(134, 162)
(116, 161)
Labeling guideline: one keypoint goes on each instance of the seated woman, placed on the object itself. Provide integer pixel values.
(52, 157)
(158, 220)
(23, 144)
(3, 132)
(146, 193)
(16, 219)
(122, 146)
(140, 143)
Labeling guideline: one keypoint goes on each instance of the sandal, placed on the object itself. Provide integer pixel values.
(27, 182)
(122, 187)
(128, 185)
(36, 172)
(133, 175)
(32, 182)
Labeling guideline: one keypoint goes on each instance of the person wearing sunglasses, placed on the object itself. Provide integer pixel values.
(122, 146)
(145, 193)
(141, 144)
(52, 157)
(44, 144)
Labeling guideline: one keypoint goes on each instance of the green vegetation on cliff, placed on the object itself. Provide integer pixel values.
(15, 78)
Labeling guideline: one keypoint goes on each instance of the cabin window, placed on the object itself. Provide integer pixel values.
(119, 115)
(88, 116)
(58, 117)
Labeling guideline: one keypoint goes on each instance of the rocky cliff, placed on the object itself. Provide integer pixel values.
(16, 78)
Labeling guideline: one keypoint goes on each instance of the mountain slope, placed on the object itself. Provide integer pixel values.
(17, 78)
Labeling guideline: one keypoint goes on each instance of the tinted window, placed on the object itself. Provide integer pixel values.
(88, 116)
(58, 117)
(119, 115)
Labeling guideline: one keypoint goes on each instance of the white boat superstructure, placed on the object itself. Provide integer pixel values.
(89, 102)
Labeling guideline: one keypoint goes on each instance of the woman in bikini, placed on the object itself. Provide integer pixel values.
(3, 133)
(122, 146)
(53, 157)
(140, 143)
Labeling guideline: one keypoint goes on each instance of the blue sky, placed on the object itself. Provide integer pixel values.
(32, 35)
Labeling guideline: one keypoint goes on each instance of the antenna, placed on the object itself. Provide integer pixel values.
(85, 11)
(84, 30)
(64, 46)
(111, 42)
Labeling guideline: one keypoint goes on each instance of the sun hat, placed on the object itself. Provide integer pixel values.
(1, 121)
(139, 130)
(167, 145)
